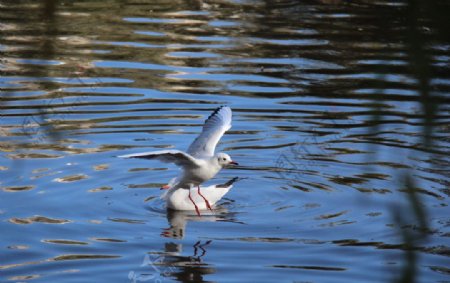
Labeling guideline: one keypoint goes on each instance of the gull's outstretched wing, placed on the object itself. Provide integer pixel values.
(215, 126)
(177, 157)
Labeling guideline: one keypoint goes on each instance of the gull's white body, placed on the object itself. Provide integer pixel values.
(179, 199)
(207, 169)
(199, 164)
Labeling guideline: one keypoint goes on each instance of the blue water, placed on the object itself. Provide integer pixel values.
(327, 123)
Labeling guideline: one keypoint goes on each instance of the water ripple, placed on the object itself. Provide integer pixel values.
(329, 116)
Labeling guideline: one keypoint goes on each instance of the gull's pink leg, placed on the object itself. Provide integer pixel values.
(196, 207)
(206, 201)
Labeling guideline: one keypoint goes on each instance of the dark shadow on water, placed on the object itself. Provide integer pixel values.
(427, 25)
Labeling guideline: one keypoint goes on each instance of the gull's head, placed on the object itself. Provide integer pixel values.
(224, 159)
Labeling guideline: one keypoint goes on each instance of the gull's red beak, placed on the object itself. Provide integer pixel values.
(233, 163)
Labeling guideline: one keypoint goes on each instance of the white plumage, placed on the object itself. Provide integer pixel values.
(215, 126)
(179, 199)
(199, 164)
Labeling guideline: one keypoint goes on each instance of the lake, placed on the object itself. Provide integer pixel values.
(340, 127)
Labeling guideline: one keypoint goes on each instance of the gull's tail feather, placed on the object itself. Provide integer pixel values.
(230, 182)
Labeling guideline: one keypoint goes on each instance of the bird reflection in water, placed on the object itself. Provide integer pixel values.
(170, 263)
(178, 220)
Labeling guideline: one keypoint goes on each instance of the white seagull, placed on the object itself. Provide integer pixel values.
(199, 164)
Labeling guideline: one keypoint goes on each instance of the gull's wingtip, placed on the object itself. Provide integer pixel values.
(125, 156)
(221, 110)
(134, 155)
(224, 107)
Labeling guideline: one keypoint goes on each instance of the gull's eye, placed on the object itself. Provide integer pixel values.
(223, 158)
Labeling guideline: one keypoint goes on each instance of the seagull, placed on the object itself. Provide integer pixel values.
(199, 163)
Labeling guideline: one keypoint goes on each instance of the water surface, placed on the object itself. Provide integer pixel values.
(328, 121)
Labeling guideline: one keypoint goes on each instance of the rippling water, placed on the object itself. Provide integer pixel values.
(327, 121)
